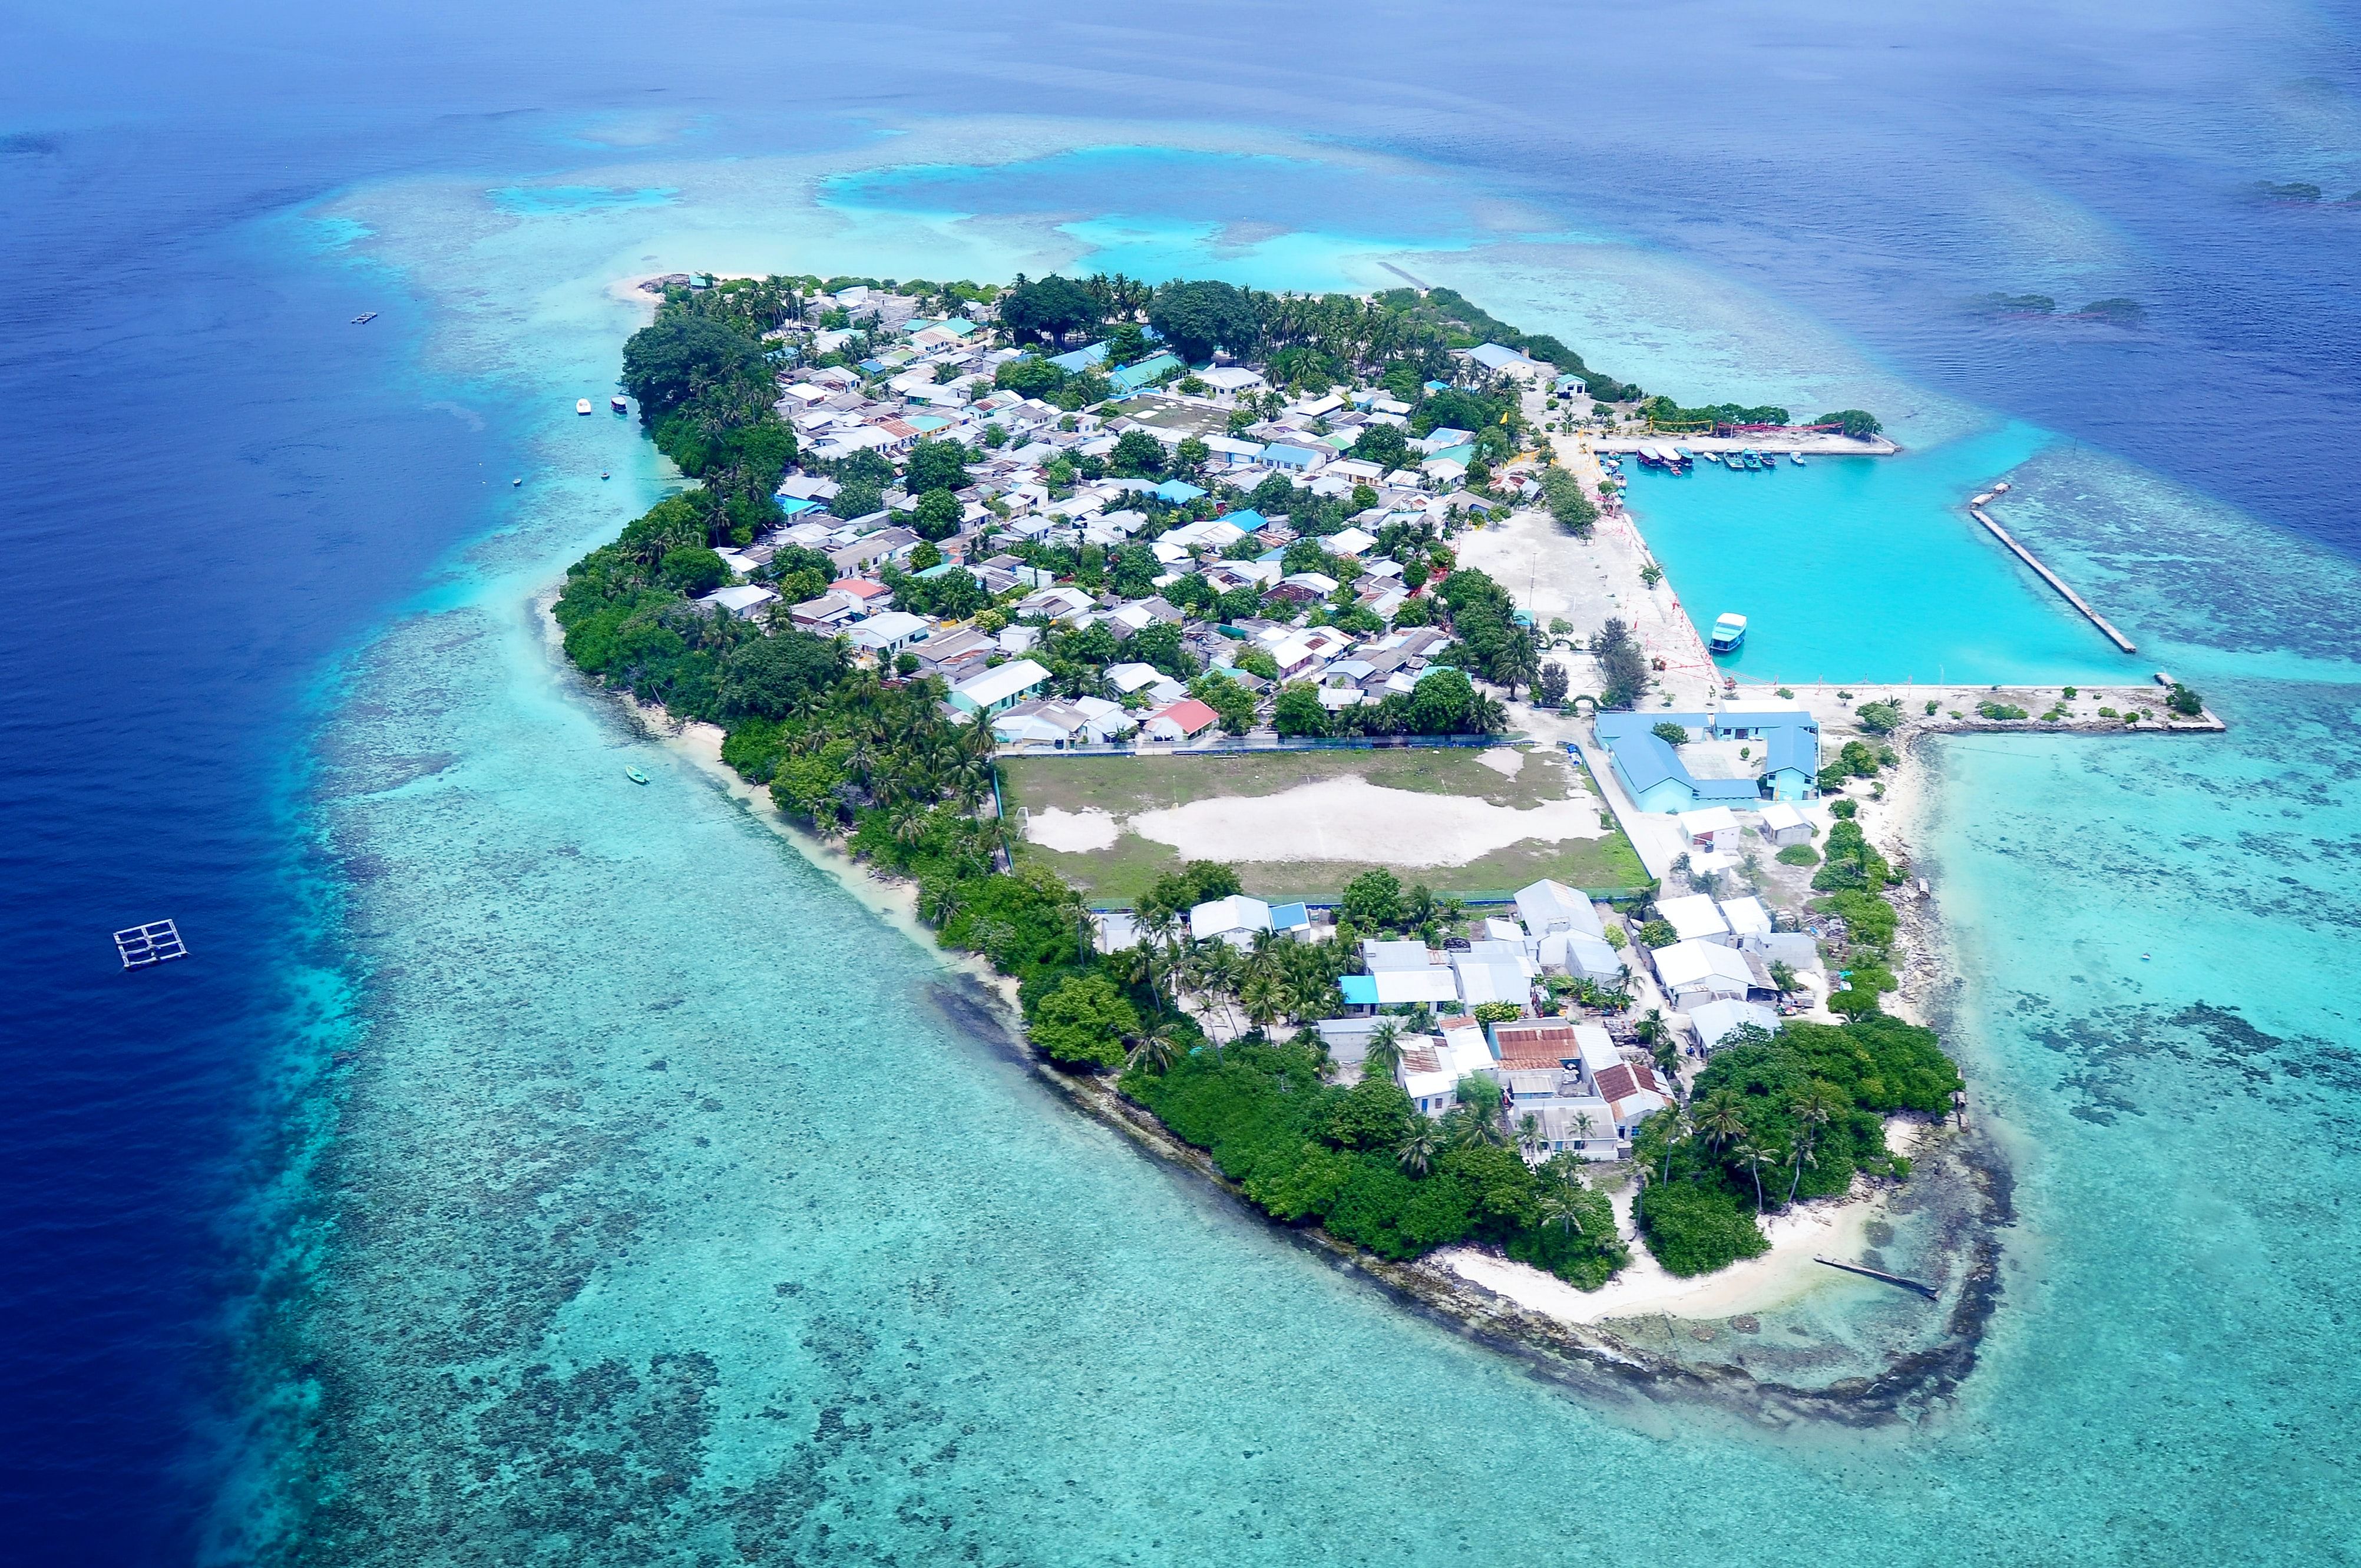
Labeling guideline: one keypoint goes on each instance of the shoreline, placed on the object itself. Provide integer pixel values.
(1476, 1293)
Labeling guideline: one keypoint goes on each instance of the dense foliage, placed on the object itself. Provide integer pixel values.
(1363, 1162)
(1773, 1119)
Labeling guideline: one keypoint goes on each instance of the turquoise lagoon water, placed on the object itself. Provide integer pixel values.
(676, 1210)
(1928, 594)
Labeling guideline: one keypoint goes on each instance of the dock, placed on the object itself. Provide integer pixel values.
(1976, 511)
(153, 943)
(1927, 1290)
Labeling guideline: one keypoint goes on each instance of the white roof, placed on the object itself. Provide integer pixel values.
(1598, 1049)
(1746, 915)
(893, 626)
(1398, 987)
(1492, 980)
(1221, 917)
(1378, 956)
(1712, 820)
(1229, 377)
(1547, 906)
(1500, 930)
(1779, 816)
(1348, 542)
(1001, 683)
(1129, 678)
(1693, 916)
(737, 600)
(1716, 1018)
(1580, 954)
(1704, 965)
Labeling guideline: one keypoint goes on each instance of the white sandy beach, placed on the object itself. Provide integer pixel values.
(1337, 820)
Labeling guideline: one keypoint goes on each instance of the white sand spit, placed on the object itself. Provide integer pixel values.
(1352, 819)
(1072, 832)
(1779, 1276)
(1506, 760)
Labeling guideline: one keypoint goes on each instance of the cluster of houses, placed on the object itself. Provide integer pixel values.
(939, 381)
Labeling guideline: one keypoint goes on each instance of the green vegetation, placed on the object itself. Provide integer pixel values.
(2001, 710)
(2184, 701)
(1670, 733)
(1622, 664)
(1363, 1162)
(1773, 1119)
(1878, 717)
(1665, 413)
(1858, 424)
(1567, 505)
(1798, 855)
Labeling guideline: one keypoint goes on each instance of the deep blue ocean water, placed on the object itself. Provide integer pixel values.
(493, 1288)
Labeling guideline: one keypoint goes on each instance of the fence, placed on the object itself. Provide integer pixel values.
(1230, 746)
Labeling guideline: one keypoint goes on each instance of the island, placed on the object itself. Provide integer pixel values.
(1145, 637)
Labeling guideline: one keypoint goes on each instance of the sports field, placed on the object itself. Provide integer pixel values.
(1301, 824)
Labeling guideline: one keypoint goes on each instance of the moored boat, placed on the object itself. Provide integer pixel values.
(619, 403)
(582, 405)
(1728, 634)
(634, 774)
(1797, 458)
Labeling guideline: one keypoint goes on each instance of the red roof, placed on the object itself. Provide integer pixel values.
(859, 587)
(1190, 714)
(1624, 1079)
(1535, 1044)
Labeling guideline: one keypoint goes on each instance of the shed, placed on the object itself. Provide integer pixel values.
(1694, 918)
(1546, 906)
(1783, 825)
(1715, 1021)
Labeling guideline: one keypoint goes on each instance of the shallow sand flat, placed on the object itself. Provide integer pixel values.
(1351, 819)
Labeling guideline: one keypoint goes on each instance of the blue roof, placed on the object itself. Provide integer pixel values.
(1645, 760)
(1288, 917)
(791, 505)
(1246, 518)
(1280, 452)
(1081, 359)
(1146, 370)
(1438, 386)
(1456, 453)
(1360, 990)
(1792, 746)
(941, 569)
(1177, 491)
(1275, 553)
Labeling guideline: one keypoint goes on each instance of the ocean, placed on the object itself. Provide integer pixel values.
(531, 1166)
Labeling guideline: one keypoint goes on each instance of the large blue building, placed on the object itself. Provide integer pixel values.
(1656, 779)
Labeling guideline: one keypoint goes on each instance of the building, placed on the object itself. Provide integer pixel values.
(1003, 687)
(1234, 920)
(1716, 1021)
(1783, 825)
(1546, 906)
(1692, 972)
(887, 634)
(1432, 1067)
(741, 599)
(1694, 918)
(1657, 780)
(1745, 916)
(1580, 957)
(1713, 829)
(1081, 721)
(1183, 720)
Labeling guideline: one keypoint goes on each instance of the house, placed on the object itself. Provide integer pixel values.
(886, 635)
(1001, 687)
(1294, 459)
(827, 614)
(1232, 452)
(1715, 1021)
(1235, 919)
(1292, 920)
(1183, 720)
(1797, 950)
(1581, 957)
(1228, 381)
(956, 654)
(1402, 980)
(870, 549)
(1692, 971)
(1059, 603)
(1633, 1095)
(1129, 678)
(1710, 828)
(1177, 491)
(1432, 1067)
(1058, 724)
(743, 600)
(1783, 825)
(1493, 976)
(1531, 1044)
(1546, 906)
(1505, 361)
(1746, 917)
(1694, 918)
(1131, 377)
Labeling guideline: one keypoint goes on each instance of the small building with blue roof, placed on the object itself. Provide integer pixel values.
(1131, 377)
(1178, 492)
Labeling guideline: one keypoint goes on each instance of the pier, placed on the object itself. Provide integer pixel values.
(1862, 1269)
(1976, 511)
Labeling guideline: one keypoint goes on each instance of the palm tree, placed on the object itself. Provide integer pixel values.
(1155, 1050)
(1722, 1121)
(1559, 1207)
(1675, 1129)
(1804, 1156)
(1529, 1134)
(1583, 1124)
(1417, 1150)
(1755, 1157)
(1385, 1051)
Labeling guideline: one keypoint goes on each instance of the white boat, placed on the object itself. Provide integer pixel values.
(619, 403)
(582, 405)
(1797, 458)
(1728, 634)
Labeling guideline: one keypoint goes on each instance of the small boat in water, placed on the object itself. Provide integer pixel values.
(1797, 458)
(1728, 634)
(634, 774)
(619, 403)
(582, 405)
(364, 318)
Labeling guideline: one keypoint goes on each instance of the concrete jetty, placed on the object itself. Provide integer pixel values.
(2052, 578)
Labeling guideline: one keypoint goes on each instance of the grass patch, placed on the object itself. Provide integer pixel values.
(1124, 786)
